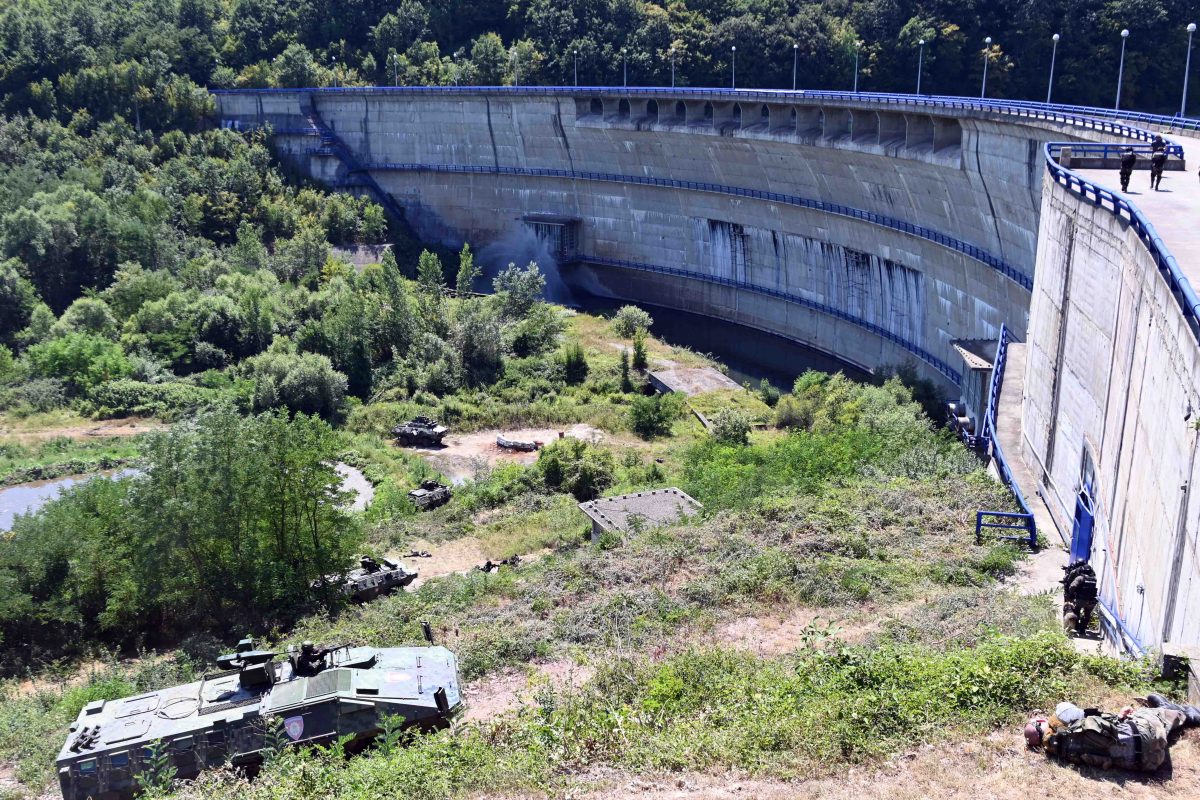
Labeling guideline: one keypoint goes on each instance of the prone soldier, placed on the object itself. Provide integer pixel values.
(1132, 739)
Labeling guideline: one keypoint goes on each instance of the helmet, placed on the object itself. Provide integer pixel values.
(307, 646)
(1033, 733)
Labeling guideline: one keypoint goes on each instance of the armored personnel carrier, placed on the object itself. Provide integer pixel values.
(254, 704)
(420, 432)
(430, 494)
(373, 578)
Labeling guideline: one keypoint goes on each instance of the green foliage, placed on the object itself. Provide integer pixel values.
(518, 289)
(157, 771)
(626, 383)
(573, 465)
(629, 320)
(304, 383)
(653, 415)
(231, 518)
(83, 360)
(640, 360)
(468, 272)
(574, 363)
(769, 394)
(731, 427)
(163, 400)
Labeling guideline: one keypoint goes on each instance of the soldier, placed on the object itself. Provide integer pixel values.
(1157, 144)
(1136, 740)
(1128, 159)
(1080, 593)
(1158, 162)
(311, 659)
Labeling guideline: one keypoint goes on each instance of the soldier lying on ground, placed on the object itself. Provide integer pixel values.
(1132, 739)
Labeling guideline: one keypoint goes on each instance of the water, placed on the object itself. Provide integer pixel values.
(29, 497)
(750, 354)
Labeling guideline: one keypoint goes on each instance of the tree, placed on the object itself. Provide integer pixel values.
(467, 270)
(626, 384)
(400, 29)
(490, 59)
(83, 360)
(304, 383)
(574, 362)
(17, 301)
(87, 315)
(581, 468)
(652, 415)
(640, 360)
(518, 289)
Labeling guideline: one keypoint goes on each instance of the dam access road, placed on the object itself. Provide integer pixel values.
(880, 229)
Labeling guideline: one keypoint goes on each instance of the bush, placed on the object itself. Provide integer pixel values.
(769, 394)
(163, 400)
(629, 320)
(573, 465)
(83, 360)
(574, 362)
(304, 383)
(731, 426)
(651, 416)
(39, 395)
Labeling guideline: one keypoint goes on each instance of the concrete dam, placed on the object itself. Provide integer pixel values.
(974, 239)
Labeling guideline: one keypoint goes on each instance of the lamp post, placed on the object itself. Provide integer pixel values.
(576, 67)
(920, 64)
(1121, 70)
(624, 68)
(1053, 56)
(672, 52)
(333, 70)
(1187, 67)
(733, 67)
(795, 61)
(857, 44)
(987, 45)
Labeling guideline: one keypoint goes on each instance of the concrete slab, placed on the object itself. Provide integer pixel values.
(691, 380)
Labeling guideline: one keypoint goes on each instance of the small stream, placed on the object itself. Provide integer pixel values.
(29, 497)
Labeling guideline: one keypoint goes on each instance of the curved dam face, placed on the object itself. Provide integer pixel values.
(880, 235)
(880, 230)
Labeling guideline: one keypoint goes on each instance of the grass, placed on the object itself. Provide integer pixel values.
(749, 403)
(52, 458)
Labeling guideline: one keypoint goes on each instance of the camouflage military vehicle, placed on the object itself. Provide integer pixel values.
(256, 704)
(420, 432)
(373, 578)
(430, 494)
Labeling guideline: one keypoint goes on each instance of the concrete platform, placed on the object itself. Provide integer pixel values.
(691, 380)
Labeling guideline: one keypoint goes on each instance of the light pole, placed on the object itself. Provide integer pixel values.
(733, 67)
(795, 60)
(1187, 67)
(857, 44)
(333, 70)
(624, 68)
(1121, 70)
(920, 64)
(576, 67)
(987, 45)
(672, 52)
(1053, 56)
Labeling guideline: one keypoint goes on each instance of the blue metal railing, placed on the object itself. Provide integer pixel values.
(929, 358)
(1115, 150)
(970, 250)
(1003, 520)
(1090, 117)
(1168, 267)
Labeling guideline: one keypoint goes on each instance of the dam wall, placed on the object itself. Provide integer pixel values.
(878, 229)
(1112, 398)
(879, 235)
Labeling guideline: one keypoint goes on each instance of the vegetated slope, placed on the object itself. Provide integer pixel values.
(859, 518)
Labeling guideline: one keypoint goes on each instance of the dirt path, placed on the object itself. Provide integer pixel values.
(462, 456)
(447, 558)
(86, 429)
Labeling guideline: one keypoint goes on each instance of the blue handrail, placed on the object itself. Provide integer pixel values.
(1101, 119)
(1168, 267)
(1024, 520)
(929, 358)
(970, 250)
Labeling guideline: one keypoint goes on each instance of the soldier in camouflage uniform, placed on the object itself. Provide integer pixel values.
(1133, 739)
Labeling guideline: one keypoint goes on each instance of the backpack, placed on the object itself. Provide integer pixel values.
(1084, 587)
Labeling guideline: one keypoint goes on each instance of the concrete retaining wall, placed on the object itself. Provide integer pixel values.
(1113, 391)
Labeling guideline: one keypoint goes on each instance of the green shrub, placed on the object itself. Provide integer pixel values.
(653, 415)
(581, 468)
(83, 360)
(731, 426)
(574, 363)
(163, 400)
(640, 360)
(629, 320)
